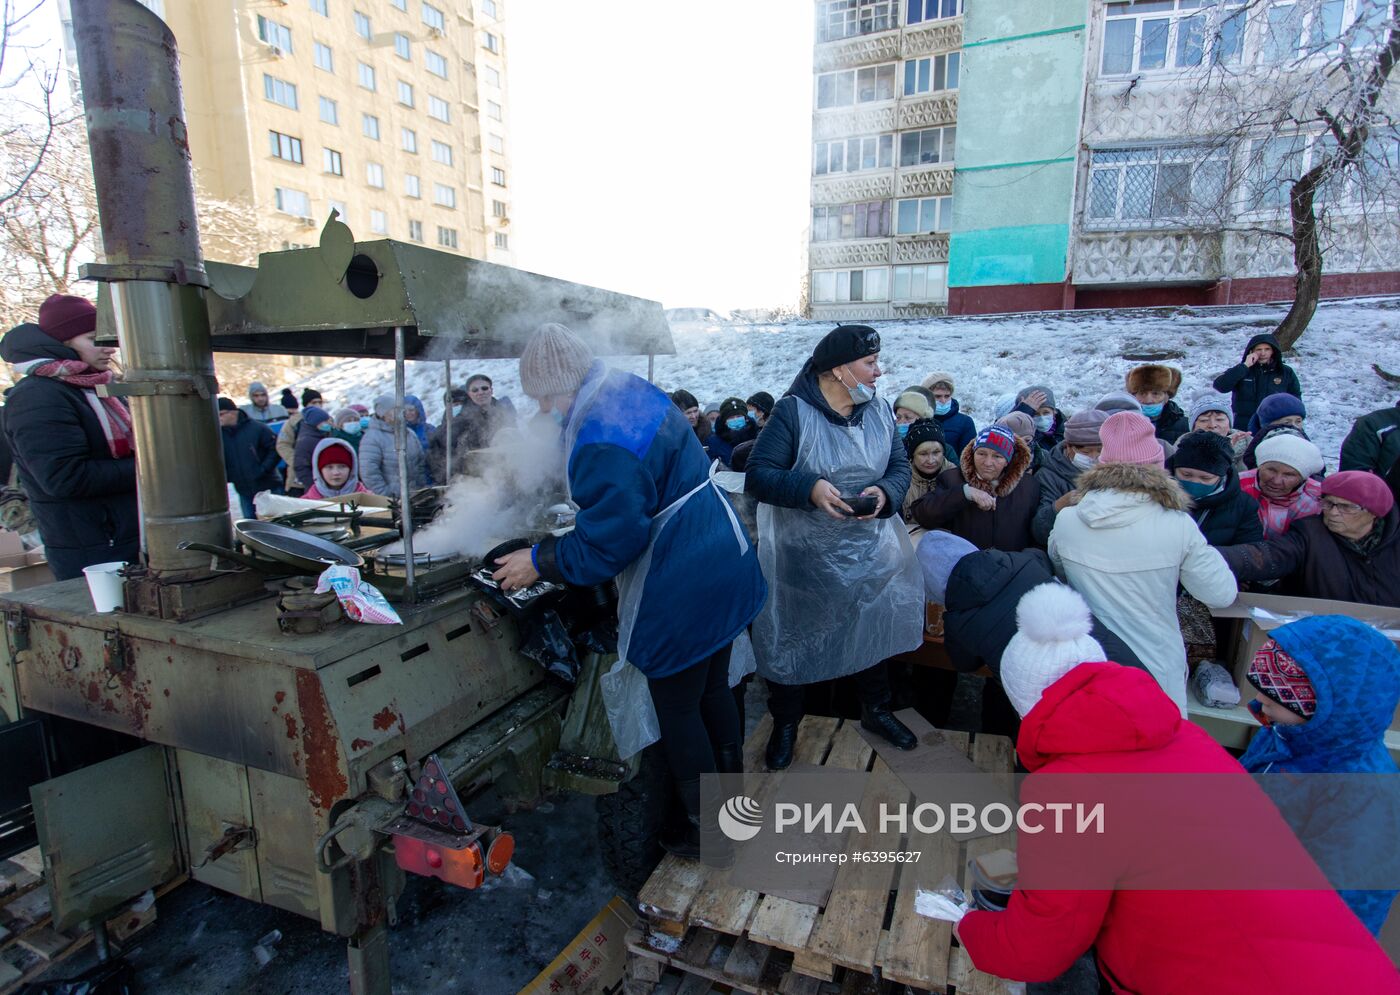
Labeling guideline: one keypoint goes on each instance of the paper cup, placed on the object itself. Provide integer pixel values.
(105, 585)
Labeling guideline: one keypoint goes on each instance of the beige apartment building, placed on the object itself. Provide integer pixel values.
(391, 112)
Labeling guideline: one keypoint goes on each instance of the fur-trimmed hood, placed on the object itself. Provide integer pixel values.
(1111, 491)
(1010, 477)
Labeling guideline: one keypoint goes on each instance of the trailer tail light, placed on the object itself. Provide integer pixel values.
(500, 851)
(463, 867)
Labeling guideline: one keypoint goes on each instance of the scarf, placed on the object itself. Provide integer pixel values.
(1368, 543)
(1276, 515)
(111, 413)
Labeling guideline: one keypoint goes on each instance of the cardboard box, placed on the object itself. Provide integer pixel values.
(1259, 614)
(36, 571)
(12, 552)
(593, 961)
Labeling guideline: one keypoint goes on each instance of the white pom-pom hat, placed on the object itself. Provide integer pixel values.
(1052, 638)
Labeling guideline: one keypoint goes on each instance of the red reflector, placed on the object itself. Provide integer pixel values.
(501, 850)
(464, 867)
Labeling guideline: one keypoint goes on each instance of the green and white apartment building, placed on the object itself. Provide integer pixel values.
(1025, 155)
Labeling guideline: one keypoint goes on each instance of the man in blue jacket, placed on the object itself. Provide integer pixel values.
(651, 517)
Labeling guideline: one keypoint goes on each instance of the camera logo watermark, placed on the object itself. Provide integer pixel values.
(741, 818)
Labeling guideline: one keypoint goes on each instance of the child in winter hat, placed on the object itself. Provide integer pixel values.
(1129, 437)
(1052, 638)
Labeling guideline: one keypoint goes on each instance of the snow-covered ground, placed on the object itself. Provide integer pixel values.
(1079, 355)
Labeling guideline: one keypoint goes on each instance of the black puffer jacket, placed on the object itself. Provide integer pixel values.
(1314, 563)
(1230, 517)
(1057, 476)
(83, 498)
(1171, 424)
(250, 456)
(979, 617)
(1248, 385)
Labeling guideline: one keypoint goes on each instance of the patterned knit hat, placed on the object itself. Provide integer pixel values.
(923, 430)
(1208, 401)
(1129, 437)
(999, 439)
(1277, 675)
(555, 361)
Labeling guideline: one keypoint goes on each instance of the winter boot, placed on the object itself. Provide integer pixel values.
(701, 833)
(781, 742)
(881, 721)
(729, 758)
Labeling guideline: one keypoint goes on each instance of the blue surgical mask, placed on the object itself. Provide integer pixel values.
(943, 407)
(1152, 410)
(558, 416)
(902, 429)
(352, 428)
(364, 422)
(861, 394)
(1084, 461)
(1045, 422)
(736, 424)
(1197, 489)
(325, 426)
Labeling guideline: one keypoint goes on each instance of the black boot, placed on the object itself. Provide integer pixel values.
(881, 721)
(729, 758)
(701, 834)
(781, 741)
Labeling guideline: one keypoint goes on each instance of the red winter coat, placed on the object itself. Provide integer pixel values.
(1101, 718)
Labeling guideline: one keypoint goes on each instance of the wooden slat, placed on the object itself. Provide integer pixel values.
(810, 964)
(849, 749)
(917, 951)
(666, 898)
(994, 755)
(746, 962)
(783, 924)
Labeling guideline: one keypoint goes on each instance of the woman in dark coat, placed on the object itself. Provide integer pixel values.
(250, 454)
(734, 428)
(991, 498)
(316, 424)
(75, 450)
(1258, 374)
(1204, 468)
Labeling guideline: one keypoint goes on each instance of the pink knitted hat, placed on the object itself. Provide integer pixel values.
(1129, 437)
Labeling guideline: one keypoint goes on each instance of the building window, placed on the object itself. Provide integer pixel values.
(285, 146)
(408, 138)
(412, 187)
(493, 77)
(405, 93)
(402, 48)
(331, 162)
(493, 110)
(490, 42)
(447, 237)
(320, 7)
(939, 72)
(853, 154)
(498, 209)
(279, 91)
(277, 35)
(366, 76)
(444, 196)
(415, 230)
(927, 147)
(1275, 164)
(1171, 35)
(855, 86)
(330, 113)
(338, 207)
(496, 144)
(1295, 30)
(324, 57)
(290, 201)
(922, 215)
(498, 176)
(438, 109)
(918, 11)
(488, 7)
(502, 240)
(369, 126)
(362, 26)
(837, 19)
(868, 220)
(378, 222)
(842, 285)
(1155, 186)
(437, 64)
(400, 5)
(374, 175)
(442, 152)
(925, 282)
(434, 18)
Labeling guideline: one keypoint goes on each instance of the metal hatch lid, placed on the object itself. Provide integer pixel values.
(344, 298)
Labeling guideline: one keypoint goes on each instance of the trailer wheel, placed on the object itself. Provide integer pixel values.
(631, 821)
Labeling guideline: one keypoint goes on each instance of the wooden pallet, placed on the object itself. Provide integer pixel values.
(865, 931)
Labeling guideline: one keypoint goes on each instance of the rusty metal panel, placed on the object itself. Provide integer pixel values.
(218, 805)
(286, 850)
(107, 833)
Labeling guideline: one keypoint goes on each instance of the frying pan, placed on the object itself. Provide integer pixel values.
(308, 553)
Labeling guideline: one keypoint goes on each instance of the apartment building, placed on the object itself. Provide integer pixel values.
(885, 133)
(390, 112)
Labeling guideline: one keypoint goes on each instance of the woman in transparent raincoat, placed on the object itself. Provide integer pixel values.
(845, 591)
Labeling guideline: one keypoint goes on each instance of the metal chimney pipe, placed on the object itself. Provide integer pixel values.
(129, 70)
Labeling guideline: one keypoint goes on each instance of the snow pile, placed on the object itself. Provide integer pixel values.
(1080, 355)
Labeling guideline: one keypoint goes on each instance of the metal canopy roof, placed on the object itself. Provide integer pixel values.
(344, 298)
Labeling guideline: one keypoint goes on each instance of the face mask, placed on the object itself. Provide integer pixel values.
(1084, 461)
(352, 428)
(558, 416)
(364, 422)
(861, 394)
(1045, 422)
(456, 410)
(943, 408)
(736, 424)
(325, 426)
(1197, 489)
(1152, 410)
(903, 430)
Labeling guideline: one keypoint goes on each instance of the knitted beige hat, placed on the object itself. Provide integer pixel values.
(555, 361)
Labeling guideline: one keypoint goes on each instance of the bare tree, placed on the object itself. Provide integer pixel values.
(29, 87)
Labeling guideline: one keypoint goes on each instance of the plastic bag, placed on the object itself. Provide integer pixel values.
(631, 712)
(361, 601)
(1213, 687)
(944, 901)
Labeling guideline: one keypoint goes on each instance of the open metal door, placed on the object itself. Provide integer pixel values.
(107, 833)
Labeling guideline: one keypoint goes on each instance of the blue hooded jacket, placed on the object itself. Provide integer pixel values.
(635, 454)
(1355, 671)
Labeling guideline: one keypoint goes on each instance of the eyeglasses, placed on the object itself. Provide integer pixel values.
(1338, 508)
(481, 390)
